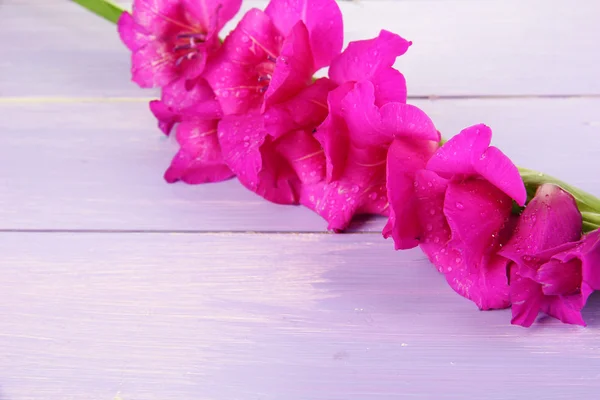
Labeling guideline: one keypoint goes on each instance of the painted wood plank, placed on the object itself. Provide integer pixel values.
(271, 317)
(461, 47)
(100, 165)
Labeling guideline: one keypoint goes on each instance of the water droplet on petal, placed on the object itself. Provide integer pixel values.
(460, 205)
(458, 260)
(429, 227)
(432, 211)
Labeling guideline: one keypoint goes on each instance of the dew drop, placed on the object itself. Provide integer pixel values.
(432, 211)
(430, 184)
(355, 189)
(429, 227)
(449, 269)
(373, 196)
(458, 260)
(460, 205)
(436, 240)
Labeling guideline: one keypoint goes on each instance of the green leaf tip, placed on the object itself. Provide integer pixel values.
(103, 8)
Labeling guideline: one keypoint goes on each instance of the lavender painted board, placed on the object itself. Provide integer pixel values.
(271, 317)
(99, 166)
(465, 48)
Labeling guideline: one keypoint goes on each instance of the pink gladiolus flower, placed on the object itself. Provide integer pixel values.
(274, 154)
(368, 123)
(272, 55)
(171, 39)
(551, 270)
(462, 207)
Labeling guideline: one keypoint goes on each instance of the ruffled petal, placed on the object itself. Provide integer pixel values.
(364, 59)
(254, 40)
(362, 117)
(498, 169)
(323, 19)
(558, 278)
(476, 213)
(132, 35)
(304, 154)
(456, 155)
(333, 134)
(199, 159)
(305, 111)
(526, 297)
(212, 15)
(469, 154)
(293, 69)
(404, 159)
(251, 154)
(390, 87)
(408, 122)
(550, 219)
(235, 85)
(153, 65)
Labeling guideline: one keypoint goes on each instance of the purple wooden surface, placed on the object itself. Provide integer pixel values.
(461, 47)
(271, 317)
(282, 316)
(100, 165)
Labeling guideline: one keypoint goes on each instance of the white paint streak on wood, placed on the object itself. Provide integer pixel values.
(157, 316)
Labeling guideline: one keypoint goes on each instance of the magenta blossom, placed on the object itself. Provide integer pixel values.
(274, 154)
(461, 215)
(272, 55)
(551, 270)
(368, 120)
(172, 39)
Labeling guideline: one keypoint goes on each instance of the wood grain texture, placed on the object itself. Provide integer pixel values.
(461, 47)
(100, 165)
(271, 317)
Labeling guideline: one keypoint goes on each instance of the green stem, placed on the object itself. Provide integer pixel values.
(103, 8)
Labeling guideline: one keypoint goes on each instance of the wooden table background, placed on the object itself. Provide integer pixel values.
(116, 285)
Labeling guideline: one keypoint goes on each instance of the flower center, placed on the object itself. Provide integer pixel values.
(264, 71)
(186, 45)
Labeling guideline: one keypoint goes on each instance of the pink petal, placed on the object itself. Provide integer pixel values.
(476, 213)
(253, 157)
(456, 155)
(526, 297)
(404, 159)
(323, 19)
(254, 40)
(235, 86)
(158, 16)
(166, 117)
(133, 35)
(306, 110)
(390, 86)
(565, 308)
(333, 134)
(558, 278)
(362, 117)
(409, 122)
(364, 59)
(499, 170)
(184, 99)
(430, 190)
(293, 69)
(587, 250)
(212, 14)
(153, 65)
(468, 153)
(199, 160)
(304, 154)
(550, 219)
